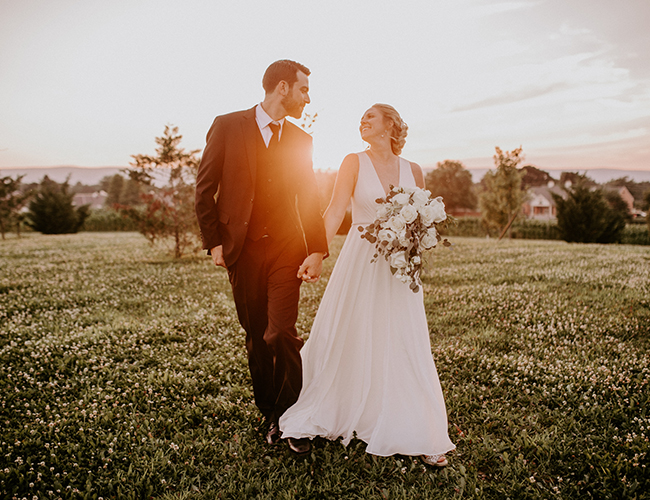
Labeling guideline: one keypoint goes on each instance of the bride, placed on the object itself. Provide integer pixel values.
(367, 365)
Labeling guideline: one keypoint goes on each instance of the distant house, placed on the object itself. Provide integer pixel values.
(95, 200)
(625, 194)
(540, 204)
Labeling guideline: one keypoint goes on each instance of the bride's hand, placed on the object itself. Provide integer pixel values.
(311, 268)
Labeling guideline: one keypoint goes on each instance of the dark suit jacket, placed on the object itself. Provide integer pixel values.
(225, 184)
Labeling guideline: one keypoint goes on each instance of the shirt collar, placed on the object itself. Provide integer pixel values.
(263, 119)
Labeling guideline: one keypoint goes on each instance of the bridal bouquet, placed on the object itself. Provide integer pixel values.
(405, 226)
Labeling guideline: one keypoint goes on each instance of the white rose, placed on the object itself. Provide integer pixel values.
(428, 241)
(408, 213)
(438, 209)
(401, 199)
(427, 214)
(403, 240)
(398, 260)
(397, 223)
(410, 190)
(420, 198)
(415, 260)
(386, 235)
(383, 212)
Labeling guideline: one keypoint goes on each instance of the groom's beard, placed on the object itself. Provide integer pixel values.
(292, 106)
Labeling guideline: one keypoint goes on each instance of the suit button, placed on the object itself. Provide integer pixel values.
(245, 223)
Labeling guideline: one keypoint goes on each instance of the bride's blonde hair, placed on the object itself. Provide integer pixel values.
(398, 129)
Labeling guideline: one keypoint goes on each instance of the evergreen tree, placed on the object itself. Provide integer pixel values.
(585, 216)
(52, 211)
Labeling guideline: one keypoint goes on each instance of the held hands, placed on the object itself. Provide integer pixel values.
(311, 268)
(217, 256)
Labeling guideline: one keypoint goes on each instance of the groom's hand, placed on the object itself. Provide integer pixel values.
(217, 256)
(311, 268)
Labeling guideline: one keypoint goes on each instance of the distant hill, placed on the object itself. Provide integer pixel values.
(92, 175)
(85, 175)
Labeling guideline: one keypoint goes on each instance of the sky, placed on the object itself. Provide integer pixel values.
(90, 83)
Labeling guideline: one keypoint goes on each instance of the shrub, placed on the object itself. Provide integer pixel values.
(636, 234)
(465, 226)
(535, 230)
(107, 219)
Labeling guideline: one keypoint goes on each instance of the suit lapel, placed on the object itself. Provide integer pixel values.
(251, 131)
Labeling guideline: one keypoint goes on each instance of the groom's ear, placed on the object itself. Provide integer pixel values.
(282, 88)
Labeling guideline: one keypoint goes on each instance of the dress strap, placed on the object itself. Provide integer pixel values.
(406, 173)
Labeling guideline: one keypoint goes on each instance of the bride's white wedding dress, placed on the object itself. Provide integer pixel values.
(367, 365)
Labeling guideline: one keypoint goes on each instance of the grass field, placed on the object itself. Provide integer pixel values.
(124, 376)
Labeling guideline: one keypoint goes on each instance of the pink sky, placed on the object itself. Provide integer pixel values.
(90, 83)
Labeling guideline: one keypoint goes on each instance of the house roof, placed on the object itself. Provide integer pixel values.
(547, 193)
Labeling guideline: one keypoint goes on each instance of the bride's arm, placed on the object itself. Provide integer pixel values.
(346, 179)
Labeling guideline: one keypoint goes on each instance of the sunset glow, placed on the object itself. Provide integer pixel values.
(90, 83)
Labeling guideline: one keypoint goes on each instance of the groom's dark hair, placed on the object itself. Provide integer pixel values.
(283, 69)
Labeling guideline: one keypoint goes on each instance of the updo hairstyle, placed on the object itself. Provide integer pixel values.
(398, 129)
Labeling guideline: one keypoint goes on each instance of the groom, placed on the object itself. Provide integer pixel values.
(259, 214)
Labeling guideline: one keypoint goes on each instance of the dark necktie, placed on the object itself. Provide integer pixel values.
(275, 138)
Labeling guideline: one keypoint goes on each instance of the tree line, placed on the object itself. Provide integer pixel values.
(586, 212)
(156, 196)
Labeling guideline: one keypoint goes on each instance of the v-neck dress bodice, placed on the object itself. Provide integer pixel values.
(369, 188)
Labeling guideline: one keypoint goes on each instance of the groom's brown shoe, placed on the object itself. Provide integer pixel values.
(299, 446)
(273, 434)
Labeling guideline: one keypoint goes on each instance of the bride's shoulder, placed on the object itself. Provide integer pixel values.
(418, 174)
(349, 167)
(351, 161)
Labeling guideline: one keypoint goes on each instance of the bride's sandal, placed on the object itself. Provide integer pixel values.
(435, 460)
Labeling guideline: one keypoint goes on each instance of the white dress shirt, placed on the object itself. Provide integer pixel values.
(263, 121)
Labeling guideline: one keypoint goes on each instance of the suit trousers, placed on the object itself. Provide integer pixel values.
(266, 292)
